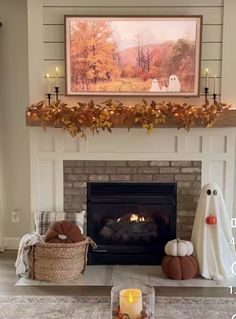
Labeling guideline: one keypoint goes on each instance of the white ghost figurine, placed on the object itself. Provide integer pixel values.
(211, 242)
(174, 84)
(155, 86)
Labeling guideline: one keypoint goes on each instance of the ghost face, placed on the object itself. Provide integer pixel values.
(155, 86)
(174, 84)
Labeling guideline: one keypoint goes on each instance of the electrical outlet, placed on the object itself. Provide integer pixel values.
(15, 216)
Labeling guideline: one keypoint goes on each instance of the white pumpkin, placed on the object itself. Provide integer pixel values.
(178, 247)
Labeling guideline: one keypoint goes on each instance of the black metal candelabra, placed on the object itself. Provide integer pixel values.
(206, 91)
(214, 98)
(49, 97)
(57, 92)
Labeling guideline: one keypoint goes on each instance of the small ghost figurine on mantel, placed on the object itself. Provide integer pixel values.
(211, 236)
(174, 84)
(155, 86)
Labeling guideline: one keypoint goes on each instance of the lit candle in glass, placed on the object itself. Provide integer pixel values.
(214, 85)
(48, 82)
(206, 79)
(57, 72)
(131, 302)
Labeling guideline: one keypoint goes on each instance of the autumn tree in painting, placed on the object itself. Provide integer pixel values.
(94, 54)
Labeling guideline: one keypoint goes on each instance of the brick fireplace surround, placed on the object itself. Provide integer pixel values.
(187, 174)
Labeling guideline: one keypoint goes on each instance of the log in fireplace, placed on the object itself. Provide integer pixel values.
(130, 221)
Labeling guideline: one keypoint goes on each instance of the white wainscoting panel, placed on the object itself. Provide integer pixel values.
(215, 148)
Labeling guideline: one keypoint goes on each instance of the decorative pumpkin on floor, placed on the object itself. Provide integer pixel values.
(178, 263)
(63, 232)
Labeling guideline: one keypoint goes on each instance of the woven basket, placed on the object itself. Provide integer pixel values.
(59, 261)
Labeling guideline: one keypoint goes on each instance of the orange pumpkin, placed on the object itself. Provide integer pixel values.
(63, 232)
(211, 220)
(176, 267)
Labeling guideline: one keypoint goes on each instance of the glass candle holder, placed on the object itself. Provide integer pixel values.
(132, 302)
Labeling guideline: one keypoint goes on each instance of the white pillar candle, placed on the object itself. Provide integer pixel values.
(131, 302)
(57, 72)
(206, 79)
(48, 82)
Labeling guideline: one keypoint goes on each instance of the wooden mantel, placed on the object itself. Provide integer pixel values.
(226, 119)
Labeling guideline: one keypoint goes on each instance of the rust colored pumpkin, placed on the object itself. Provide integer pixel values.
(176, 267)
(211, 220)
(63, 232)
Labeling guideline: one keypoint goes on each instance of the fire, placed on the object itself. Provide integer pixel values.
(132, 218)
(136, 218)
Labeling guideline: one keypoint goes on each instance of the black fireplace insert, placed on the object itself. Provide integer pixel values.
(130, 221)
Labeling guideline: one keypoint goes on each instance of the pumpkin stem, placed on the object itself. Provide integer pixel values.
(178, 240)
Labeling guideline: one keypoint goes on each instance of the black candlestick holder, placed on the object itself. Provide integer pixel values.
(57, 92)
(206, 91)
(214, 98)
(49, 97)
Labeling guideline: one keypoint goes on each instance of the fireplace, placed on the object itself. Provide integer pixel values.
(130, 221)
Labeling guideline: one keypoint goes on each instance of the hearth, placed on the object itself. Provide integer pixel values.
(130, 221)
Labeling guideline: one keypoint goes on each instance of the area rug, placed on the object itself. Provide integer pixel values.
(68, 307)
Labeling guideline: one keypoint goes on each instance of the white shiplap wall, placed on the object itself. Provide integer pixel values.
(212, 11)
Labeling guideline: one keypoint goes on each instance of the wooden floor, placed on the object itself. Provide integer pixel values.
(8, 280)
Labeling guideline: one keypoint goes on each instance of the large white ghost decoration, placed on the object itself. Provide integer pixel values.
(174, 84)
(211, 242)
(155, 86)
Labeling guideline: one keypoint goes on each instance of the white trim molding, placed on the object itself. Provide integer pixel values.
(215, 148)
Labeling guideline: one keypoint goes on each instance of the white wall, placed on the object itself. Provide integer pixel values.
(13, 100)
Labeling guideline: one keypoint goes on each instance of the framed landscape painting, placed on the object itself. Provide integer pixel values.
(157, 56)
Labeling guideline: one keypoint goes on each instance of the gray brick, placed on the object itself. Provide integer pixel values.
(138, 163)
(159, 163)
(126, 170)
(199, 178)
(105, 170)
(99, 178)
(95, 163)
(186, 212)
(116, 163)
(196, 184)
(184, 184)
(164, 177)
(68, 170)
(77, 178)
(141, 177)
(74, 191)
(181, 163)
(167, 170)
(148, 170)
(184, 177)
(83, 170)
(191, 170)
(197, 163)
(120, 177)
(79, 184)
(68, 185)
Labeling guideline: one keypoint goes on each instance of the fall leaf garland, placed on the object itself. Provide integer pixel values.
(109, 114)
